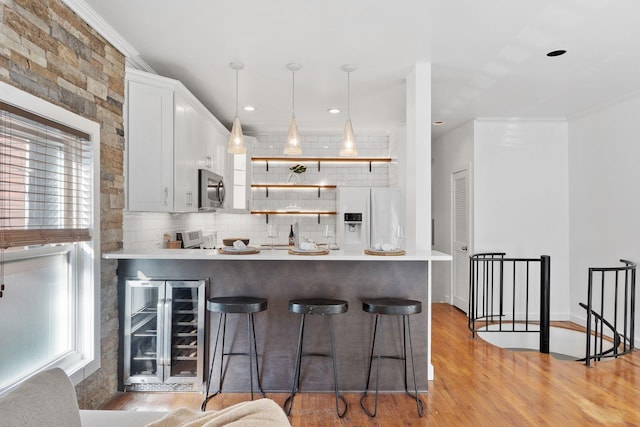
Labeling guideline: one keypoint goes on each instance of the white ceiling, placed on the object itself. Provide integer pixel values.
(488, 56)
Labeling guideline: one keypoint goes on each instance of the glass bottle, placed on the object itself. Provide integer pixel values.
(291, 236)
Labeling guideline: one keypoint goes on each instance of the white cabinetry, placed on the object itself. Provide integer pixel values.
(170, 135)
(149, 147)
(185, 152)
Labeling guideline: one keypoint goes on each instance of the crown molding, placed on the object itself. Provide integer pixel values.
(91, 17)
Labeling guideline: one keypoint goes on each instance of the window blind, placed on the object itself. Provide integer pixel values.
(45, 181)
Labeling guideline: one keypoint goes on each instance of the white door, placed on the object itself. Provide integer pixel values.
(460, 221)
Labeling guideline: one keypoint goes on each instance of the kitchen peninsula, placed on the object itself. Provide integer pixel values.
(279, 277)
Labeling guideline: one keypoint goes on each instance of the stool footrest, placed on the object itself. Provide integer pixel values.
(389, 357)
(316, 354)
(238, 354)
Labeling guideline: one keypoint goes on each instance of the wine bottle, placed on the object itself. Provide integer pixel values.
(291, 236)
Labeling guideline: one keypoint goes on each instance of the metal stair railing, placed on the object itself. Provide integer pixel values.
(503, 296)
(611, 293)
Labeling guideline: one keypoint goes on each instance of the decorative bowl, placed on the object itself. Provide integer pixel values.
(230, 240)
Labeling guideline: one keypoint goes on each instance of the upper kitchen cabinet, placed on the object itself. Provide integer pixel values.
(170, 135)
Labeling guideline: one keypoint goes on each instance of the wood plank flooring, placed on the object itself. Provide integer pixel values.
(476, 384)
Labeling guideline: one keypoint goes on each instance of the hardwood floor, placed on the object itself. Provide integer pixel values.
(476, 384)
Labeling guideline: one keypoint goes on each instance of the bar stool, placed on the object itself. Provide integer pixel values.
(394, 307)
(241, 305)
(316, 306)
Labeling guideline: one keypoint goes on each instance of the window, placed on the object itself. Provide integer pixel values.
(49, 263)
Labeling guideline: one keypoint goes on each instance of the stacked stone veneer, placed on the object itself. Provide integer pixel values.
(48, 51)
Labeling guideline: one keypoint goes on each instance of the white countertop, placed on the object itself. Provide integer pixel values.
(266, 254)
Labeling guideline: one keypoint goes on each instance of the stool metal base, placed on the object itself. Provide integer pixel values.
(377, 333)
(252, 353)
(298, 306)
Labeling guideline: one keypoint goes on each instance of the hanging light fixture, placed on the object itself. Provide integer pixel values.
(236, 139)
(292, 146)
(348, 139)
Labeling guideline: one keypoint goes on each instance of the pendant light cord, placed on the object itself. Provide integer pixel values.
(293, 93)
(349, 95)
(236, 93)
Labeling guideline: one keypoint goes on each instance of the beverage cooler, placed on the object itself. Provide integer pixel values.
(164, 340)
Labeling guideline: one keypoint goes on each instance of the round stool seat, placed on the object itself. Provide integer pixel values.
(236, 304)
(393, 306)
(318, 306)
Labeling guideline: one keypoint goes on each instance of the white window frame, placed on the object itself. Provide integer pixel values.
(85, 360)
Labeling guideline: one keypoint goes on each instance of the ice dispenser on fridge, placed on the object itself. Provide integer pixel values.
(353, 218)
(368, 215)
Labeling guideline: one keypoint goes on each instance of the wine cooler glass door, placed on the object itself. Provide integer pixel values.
(143, 341)
(184, 344)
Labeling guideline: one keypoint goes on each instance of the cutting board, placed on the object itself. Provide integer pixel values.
(316, 252)
(397, 252)
(231, 251)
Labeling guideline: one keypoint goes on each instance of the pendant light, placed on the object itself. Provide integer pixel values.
(292, 146)
(348, 139)
(236, 139)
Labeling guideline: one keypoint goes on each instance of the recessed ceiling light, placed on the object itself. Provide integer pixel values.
(438, 122)
(557, 52)
(333, 110)
(249, 108)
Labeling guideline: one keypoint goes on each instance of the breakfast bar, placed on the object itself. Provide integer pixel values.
(279, 276)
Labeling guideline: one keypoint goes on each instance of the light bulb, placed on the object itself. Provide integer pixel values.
(236, 139)
(348, 141)
(292, 147)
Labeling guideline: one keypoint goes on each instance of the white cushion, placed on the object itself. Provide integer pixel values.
(44, 400)
(118, 418)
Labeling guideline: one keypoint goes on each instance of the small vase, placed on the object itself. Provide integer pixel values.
(292, 175)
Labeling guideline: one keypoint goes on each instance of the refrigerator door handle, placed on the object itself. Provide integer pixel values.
(160, 343)
(167, 332)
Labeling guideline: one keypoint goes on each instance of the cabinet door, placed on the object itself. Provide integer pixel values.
(143, 326)
(185, 343)
(215, 140)
(185, 152)
(149, 147)
(206, 152)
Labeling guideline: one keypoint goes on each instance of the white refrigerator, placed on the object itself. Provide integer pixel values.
(368, 215)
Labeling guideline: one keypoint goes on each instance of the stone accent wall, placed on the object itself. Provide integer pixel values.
(47, 50)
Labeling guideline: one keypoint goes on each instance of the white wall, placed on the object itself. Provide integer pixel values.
(450, 153)
(604, 148)
(521, 196)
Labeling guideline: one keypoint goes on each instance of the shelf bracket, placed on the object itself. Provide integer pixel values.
(318, 218)
(267, 191)
(318, 192)
(370, 162)
(318, 165)
(267, 218)
(267, 163)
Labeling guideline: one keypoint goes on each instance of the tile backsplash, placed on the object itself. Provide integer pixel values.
(145, 230)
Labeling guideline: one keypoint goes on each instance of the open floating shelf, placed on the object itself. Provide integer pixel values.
(283, 212)
(319, 160)
(293, 186)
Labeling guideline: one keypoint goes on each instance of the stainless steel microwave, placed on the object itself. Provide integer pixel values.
(211, 191)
